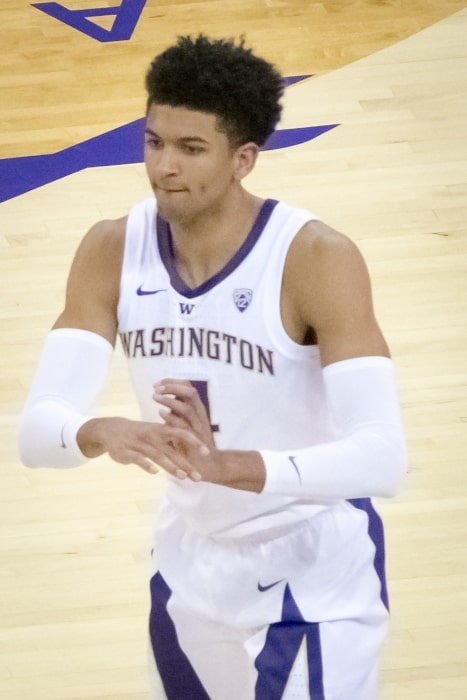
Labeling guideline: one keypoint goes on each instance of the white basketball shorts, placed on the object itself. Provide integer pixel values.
(301, 616)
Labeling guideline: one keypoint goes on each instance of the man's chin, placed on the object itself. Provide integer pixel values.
(170, 212)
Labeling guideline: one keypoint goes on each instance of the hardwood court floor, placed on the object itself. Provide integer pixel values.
(393, 175)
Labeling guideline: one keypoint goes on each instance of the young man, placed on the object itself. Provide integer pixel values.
(266, 393)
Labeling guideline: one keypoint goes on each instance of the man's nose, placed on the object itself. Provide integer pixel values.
(166, 161)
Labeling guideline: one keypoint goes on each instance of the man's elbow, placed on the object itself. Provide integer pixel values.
(395, 460)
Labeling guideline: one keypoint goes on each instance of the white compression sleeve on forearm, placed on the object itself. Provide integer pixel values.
(71, 372)
(367, 458)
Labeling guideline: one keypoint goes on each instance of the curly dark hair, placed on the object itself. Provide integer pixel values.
(220, 77)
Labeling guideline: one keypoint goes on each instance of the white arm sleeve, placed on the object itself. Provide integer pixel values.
(367, 458)
(71, 372)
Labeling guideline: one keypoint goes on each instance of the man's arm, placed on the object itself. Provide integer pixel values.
(93, 282)
(327, 293)
(327, 288)
(57, 427)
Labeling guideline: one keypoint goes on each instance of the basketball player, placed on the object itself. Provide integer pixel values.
(266, 392)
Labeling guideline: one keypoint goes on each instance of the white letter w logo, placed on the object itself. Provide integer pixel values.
(186, 308)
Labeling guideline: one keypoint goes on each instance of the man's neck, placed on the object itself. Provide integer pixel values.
(202, 247)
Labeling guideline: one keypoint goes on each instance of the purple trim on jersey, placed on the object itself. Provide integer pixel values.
(165, 243)
(177, 674)
(283, 640)
(376, 532)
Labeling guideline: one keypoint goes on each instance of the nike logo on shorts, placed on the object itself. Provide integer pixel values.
(262, 588)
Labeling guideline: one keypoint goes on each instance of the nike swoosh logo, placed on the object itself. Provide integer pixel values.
(144, 292)
(262, 589)
(294, 464)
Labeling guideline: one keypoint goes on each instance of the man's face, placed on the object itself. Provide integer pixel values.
(190, 164)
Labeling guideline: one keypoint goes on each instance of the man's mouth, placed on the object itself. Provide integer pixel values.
(171, 190)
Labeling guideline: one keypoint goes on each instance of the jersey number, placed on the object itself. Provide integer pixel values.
(202, 389)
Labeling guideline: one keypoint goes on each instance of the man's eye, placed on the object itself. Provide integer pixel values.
(152, 142)
(192, 150)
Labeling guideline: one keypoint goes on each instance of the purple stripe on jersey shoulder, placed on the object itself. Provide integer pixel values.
(166, 250)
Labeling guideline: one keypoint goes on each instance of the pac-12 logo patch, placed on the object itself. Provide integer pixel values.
(242, 298)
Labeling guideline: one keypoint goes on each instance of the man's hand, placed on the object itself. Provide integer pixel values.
(184, 410)
(142, 443)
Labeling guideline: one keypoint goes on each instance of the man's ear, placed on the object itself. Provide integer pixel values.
(245, 159)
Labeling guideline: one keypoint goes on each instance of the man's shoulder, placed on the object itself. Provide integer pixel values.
(106, 236)
(317, 242)
(106, 228)
(102, 247)
(321, 261)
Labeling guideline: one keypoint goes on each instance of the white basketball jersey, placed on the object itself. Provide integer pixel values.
(261, 389)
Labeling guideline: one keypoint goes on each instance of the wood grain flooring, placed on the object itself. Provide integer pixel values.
(393, 175)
